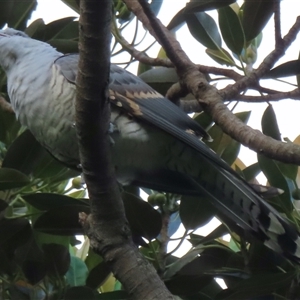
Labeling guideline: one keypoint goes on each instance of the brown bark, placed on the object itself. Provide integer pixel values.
(210, 98)
(106, 226)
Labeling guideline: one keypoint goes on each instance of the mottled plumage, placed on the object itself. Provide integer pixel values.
(156, 145)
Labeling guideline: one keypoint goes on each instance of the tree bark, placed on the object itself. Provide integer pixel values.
(106, 226)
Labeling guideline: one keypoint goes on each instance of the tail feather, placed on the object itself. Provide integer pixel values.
(236, 200)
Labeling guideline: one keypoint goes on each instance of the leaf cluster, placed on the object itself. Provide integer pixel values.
(40, 206)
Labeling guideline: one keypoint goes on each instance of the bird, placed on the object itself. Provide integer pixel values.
(154, 143)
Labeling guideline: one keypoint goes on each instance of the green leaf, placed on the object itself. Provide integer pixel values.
(251, 171)
(265, 284)
(36, 29)
(46, 201)
(256, 15)
(276, 179)
(9, 126)
(195, 211)
(231, 29)
(223, 144)
(221, 56)
(269, 124)
(24, 153)
(80, 293)
(143, 219)
(17, 230)
(142, 68)
(289, 68)
(5, 11)
(204, 5)
(160, 79)
(64, 45)
(182, 261)
(57, 258)
(195, 6)
(61, 220)
(270, 128)
(10, 179)
(210, 259)
(204, 29)
(77, 273)
(54, 29)
(33, 261)
(220, 231)
(93, 259)
(188, 285)
(21, 13)
(203, 119)
(73, 4)
(98, 275)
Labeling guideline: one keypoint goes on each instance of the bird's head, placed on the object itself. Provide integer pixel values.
(16, 46)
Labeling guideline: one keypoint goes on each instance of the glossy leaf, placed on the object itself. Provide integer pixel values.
(276, 179)
(188, 285)
(20, 13)
(9, 127)
(36, 29)
(10, 179)
(251, 171)
(77, 273)
(5, 11)
(73, 4)
(16, 230)
(32, 260)
(80, 293)
(57, 258)
(204, 119)
(256, 15)
(64, 46)
(210, 259)
(265, 284)
(269, 124)
(54, 29)
(98, 275)
(46, 201)
(143, 219)
(196, 211)
(204, 29)
(24, 153)
(61, 220)
(195, 6)
(231, 29)
(182, 261)
(223, 144)
(221, 56)
(289, 68)
(220, 231)
(160, 79)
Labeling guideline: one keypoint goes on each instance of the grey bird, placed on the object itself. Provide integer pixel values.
(156, 145)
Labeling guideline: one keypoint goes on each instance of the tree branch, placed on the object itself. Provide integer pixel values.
(211, 99)
(295, 95)
(106, 226)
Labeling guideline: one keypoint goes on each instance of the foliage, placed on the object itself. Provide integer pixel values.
(39, 205)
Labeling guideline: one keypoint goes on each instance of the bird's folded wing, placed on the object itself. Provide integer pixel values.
(138, 99)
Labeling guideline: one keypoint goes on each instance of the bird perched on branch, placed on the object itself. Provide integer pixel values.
(156, 145)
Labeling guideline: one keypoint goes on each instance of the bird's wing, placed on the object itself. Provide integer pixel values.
(138, 99)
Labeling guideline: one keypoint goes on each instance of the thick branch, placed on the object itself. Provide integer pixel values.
(232, 90)
(106, 226)
(211, 99)
(295, 95)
